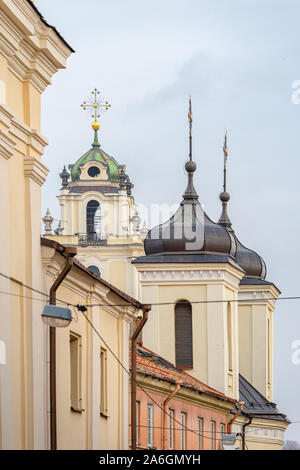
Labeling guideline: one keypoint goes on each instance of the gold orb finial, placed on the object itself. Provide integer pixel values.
(96, 125)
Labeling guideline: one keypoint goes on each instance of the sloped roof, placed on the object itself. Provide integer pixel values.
(49, 25)
(256, 404)
(96, 154)
(152, 364)
(61, 249)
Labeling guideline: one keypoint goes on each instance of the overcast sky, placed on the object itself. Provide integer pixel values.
(238, 59)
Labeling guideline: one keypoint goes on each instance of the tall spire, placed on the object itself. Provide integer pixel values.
(225, 196)
(95, 105)
(190, 166)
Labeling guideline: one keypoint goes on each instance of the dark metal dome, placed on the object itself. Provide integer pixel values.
(190, 229)
(249, 260)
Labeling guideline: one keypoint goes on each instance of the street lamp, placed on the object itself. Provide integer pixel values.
(57, 317)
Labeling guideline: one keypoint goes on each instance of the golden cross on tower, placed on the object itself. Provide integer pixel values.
(95, 105)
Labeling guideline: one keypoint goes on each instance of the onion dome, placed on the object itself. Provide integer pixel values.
(190, 230)
(98, 155)
(249, 260)
(253, 264)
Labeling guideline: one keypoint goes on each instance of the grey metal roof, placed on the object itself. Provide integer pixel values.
(256, 404)
(185, 257)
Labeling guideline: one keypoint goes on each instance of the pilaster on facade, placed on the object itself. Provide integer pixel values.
(256, 321)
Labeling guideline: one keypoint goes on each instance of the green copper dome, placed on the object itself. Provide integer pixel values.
(96, 154)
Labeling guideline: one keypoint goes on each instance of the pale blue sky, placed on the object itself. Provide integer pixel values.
(238, 59)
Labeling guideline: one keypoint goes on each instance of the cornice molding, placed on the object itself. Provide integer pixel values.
(186, 394)
(7, 145)
(172, 275)
(35, 170)
(34, 51)
(6, 115)
(28, 135)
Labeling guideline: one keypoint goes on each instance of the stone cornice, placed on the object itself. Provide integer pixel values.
(186, 394)
(6, 145)
(29, 136)
(35, 170)
(34, 50)
(260, 294)
(190, 274)
(21, 131)
(6, 115)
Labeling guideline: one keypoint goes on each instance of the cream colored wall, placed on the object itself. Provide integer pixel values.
(195, 283)
(255, 344)
(261, 434)
(116, 211)
(89, 430)
(30, 53)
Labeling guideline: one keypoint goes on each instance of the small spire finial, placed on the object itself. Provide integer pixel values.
(225, 196)
(190, 166)
(95, 105)
(190, 116)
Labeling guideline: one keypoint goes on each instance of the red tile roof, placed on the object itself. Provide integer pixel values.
(149, 363)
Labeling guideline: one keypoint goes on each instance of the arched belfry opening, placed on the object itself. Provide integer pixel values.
(93, 220)
(183, 335)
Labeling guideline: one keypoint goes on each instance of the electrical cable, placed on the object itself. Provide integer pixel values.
(83, 309)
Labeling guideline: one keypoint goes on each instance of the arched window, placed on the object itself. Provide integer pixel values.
(183, 334)
(95, 270)
(93, 220)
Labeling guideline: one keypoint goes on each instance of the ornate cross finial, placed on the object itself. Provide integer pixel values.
(95, 105)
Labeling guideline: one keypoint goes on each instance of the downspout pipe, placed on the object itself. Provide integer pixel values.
(237, 414)
(70, 253)
(244, 432)
(166, 401)
(146, 309)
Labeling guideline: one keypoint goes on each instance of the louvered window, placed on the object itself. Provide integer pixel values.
(184, 335)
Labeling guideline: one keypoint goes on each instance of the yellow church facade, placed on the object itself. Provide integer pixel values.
(92, 400)
(213, 298)
(188, 267)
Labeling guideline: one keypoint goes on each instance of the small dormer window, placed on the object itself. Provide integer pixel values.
(93, 172)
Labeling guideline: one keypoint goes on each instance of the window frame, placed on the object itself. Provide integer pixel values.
(137, 411)
(75, 340)
(187, 338)
(183, 430)
(200, 433)
(171, 429)
(150, 424)
(103, 382)
(213, 435)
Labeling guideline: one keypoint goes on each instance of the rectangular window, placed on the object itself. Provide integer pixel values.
(200, 433)
(213, 435)
(183, 431)
(222, 429)
(171, 429)
(150, 425)
(137, 422)
(103, 382)
(75, 370)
